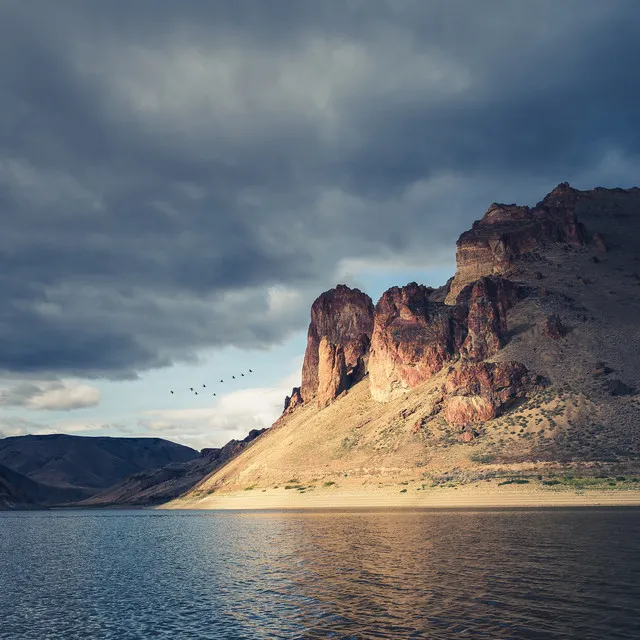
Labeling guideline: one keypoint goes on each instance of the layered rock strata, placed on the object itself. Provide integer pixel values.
(508, 232)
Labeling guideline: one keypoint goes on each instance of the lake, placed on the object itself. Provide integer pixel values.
(563, 573)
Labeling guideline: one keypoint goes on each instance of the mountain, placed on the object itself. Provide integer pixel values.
(526, 360)
(19, 492)
(67, 468)
(155, 486)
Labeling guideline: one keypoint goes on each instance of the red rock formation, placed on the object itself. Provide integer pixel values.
(487, 301)
(477, 392)
(345, 317)
(412, 338)
(507, 232)
(332, 372)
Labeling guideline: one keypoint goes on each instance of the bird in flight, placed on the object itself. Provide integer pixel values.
(204, 386)
(242, 374)
(221, 380)
(172, 393)
(250, 371)
(196, 392)
(214, 394)
(233, 377)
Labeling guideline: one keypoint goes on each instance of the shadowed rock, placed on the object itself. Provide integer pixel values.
(508, 232)
(344, 317)
(553, 327)
(479, 391)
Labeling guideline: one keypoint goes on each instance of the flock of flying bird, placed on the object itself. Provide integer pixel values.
(204, 386)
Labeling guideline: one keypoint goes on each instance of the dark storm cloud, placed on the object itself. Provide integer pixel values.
(180, 176)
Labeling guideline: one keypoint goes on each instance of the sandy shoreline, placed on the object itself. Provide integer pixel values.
(460, 497)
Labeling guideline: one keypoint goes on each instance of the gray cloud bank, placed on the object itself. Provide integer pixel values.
(50, 395)
(182, 175)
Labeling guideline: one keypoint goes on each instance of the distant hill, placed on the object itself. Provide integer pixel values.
(19, 492)
(68, 468)
(155, 486)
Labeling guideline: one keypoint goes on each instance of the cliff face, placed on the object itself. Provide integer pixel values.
(509, 232)
(412, 338)
(343, 318)
(415, 331)
(479, 391)
(487, 301)
(407, 338)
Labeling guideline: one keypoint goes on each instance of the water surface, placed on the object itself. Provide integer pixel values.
(395, 574)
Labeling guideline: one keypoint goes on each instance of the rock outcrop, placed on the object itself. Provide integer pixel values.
(412, 338)
(332, 372)
(508, 232)
(292, 402)
(553, 327)
(487, 302)
(479, 391)
(344, 317)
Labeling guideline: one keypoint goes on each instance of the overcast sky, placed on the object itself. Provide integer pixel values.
(180, 180)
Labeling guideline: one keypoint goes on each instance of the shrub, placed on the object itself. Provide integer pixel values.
(514, 481)
(482, 458)
(329, 483)
(403, 491)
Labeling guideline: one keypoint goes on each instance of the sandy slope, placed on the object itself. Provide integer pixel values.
(466, 496)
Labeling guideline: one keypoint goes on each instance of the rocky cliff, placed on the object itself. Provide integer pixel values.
(338, 340)
(526, 363)
(509, 232)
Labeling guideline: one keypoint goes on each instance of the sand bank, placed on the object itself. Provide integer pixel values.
(482, 496)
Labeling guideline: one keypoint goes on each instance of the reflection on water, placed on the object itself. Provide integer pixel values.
(144, 574)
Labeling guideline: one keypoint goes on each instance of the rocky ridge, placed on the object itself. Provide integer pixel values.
(527, 358)
(155, 486)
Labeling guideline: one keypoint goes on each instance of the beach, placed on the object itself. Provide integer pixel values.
(482, 495)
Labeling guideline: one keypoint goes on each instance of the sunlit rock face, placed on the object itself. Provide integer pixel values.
(332, 372)
(412, 338)
(292, 402)
(415, 336)
(344, 318)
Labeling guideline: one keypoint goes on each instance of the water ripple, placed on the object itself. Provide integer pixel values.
(139, 574)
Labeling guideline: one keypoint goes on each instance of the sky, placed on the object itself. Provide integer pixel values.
(179, 181)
